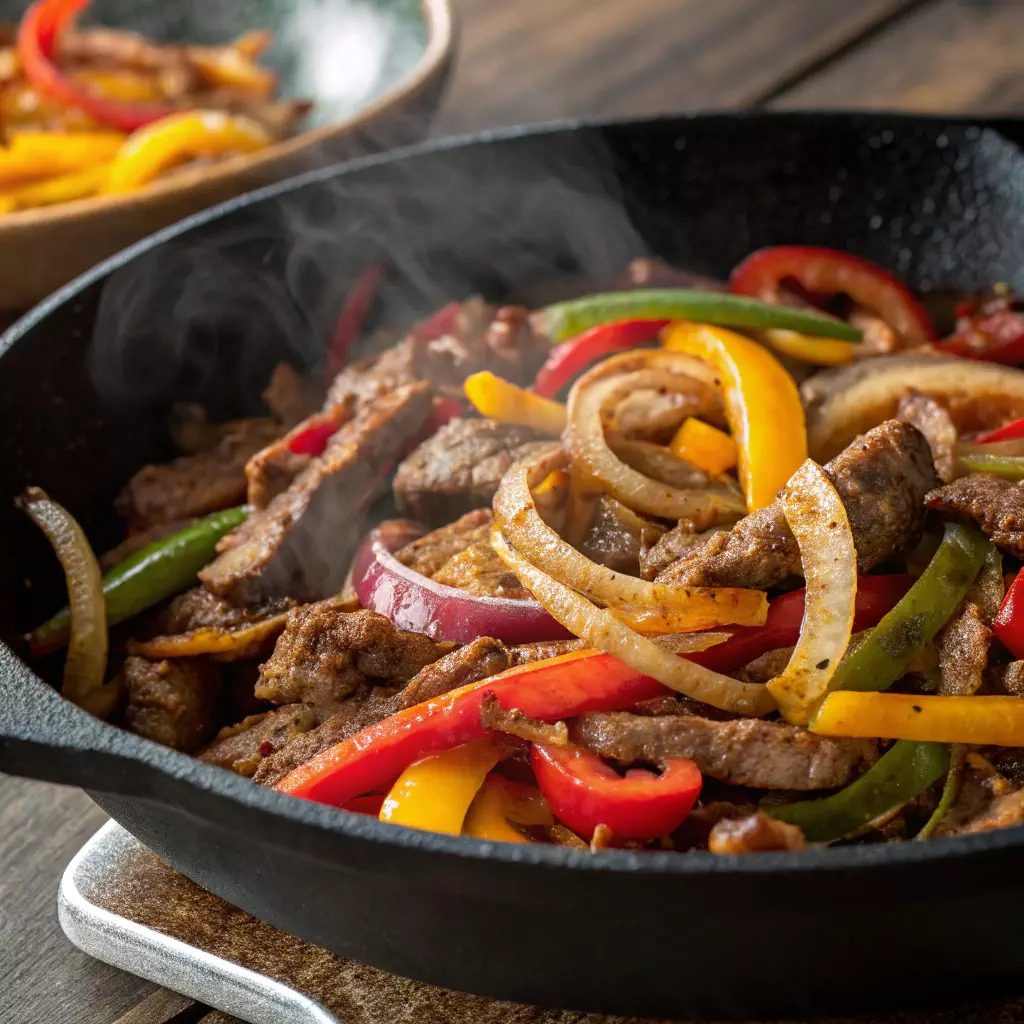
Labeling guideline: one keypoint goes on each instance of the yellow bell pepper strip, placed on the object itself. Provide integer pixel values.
(904, 772)
(762, 405)
(924, 610)
(808, 349)
(62, 189)
(435, 793)
(119, 84)
(950, 791)
(159, 146)
(502, 804)
(996, 721)
(32, 155)
(707, 447)
(501, 400)
(566, 319)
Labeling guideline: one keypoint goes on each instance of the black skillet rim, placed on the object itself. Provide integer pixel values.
(183, 768)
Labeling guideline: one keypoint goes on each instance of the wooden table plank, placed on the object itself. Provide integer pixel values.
(953, 55)
(45, 978)
(568, 58)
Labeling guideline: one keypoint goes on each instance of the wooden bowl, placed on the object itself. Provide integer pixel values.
(375, 70)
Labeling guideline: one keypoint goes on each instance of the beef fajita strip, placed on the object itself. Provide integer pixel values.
(882, 478)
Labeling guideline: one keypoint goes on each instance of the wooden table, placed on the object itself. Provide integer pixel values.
(530, 60)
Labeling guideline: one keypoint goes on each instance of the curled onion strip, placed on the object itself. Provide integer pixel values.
(817, 517)
(599, 628)
(86, 662)
(683, 609)
(588, 401)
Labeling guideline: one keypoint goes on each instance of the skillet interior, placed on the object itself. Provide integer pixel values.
(86, 381)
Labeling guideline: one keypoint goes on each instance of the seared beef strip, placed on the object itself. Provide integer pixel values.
(460, 467)
(934, 421)
(515, 722)
(290, 396)
(744, 752)
(756, 833)
(678, 542)
(242, 748)
(882, 478)
(324, 655)
(171, 702)
(478, 660)
(995, 504)
(197, 608)
(527, 654)
(460, 555)
(486, 339)
(649, 273)
(195, 485)
(301, 543)
(617, 535)
(987, 800)
(429, 553)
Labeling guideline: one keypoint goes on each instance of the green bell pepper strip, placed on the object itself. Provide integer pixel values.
(923, 611)
(1011, 467)
(950, 790)
(159, 570)
(904, 772)
(567, 319)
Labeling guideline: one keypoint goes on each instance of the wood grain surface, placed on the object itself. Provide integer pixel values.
(530, 60)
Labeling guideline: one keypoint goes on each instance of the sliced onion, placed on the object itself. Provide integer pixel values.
(846, 401)
(817, 517)
(588, 400)
(419, 604)
(599, 628)
(687, 609)
(227, 644)
(86, 662)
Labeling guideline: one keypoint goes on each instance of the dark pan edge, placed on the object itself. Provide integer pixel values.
(48, 723)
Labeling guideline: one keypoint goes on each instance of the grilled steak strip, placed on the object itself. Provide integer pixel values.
(882, 478)
(996, 505)
(460, 467)
(939, 430)
(241, 748)
(301, 543)
(325, 655)
(478, 660)
(744, 752)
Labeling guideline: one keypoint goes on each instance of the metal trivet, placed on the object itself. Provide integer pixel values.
(121, 904)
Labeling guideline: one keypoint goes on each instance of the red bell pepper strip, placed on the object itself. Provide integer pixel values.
(818, 272)
(37, 42)
(584, 792)
(1010, 432)
(444, 321)
(1009, 621)
(992, 330)
(572, 357)
(549, 690)
(313, 437)
(351, 319)
(876, 596)
(370, 804)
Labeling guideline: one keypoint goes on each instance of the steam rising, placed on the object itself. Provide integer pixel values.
(206, 316)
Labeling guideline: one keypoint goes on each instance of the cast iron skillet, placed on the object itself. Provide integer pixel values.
(202, 310)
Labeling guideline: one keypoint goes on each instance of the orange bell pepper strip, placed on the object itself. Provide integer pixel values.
(550, 690)
(707, 447)
(762, 405)
(435, 793)
(35, 155)
(502, 804)
(160, 146)
(996, 720)
(62, 189)
(501, 400)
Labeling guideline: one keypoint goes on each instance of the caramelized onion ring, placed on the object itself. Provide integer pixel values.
(599, 628)
(684, 609)
(817, 517)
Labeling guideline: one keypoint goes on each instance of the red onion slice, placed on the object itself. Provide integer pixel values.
(416, 603)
